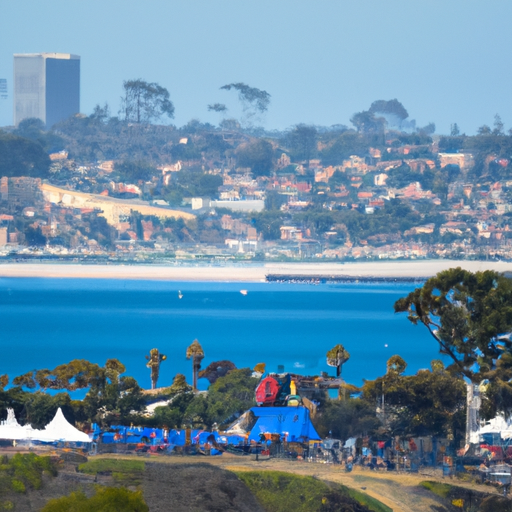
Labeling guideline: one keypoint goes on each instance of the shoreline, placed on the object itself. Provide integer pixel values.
(351, 271)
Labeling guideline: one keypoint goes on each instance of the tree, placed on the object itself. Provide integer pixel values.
(469, 315)
(215, 370)
(390, 107)
(34, 236)
(348, 143)
(218, 107)
(429, 403)
(229, 396)
(484, 130)
(154, 360)
(428, 129)
(39, 408)
(274, 200)
(100, 114)
(347, 418)
(256, 155)
(31, 128)
(367, 122)
(22, 157)
(454, 130)
(195, 352)
(77, 374)
(268, 223)
(110, 397)
(250, 96)
(179, 385)
(208, 184)
(254, 101)
(132, 171)
(336, 357)
(145, 102)
(34, 129)
(498, 126)
(303, 142)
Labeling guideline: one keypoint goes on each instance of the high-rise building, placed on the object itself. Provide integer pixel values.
(3, 88)
(46, 86)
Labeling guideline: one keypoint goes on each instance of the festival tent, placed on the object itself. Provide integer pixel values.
(293, 424)
(11, 429)
(59, 429)
(495, 429)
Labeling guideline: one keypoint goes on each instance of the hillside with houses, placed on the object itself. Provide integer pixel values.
(382, 189)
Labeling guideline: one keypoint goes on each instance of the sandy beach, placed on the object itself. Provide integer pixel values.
(248, 273)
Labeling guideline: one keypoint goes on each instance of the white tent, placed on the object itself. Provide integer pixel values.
(11, 429)
(497, 425)
(59, 429)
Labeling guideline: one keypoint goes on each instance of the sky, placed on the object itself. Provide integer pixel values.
(447, 61)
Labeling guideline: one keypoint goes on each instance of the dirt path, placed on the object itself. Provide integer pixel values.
(399, 491)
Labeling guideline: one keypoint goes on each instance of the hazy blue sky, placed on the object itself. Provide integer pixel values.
(445, 60)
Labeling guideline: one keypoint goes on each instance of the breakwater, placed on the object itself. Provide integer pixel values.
(317, 279)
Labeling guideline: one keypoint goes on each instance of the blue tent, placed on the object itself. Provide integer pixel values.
(292, 423)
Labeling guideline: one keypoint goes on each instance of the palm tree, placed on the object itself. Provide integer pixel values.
(195, 351)
(154, 360)
(336, 357)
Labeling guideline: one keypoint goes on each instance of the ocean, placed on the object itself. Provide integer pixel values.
(46, 322)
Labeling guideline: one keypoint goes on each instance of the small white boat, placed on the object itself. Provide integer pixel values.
(243, 292)
(180, 295)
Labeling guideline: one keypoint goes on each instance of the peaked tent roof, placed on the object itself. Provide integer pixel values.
(59, 429)
(11, 429)
(292, 422)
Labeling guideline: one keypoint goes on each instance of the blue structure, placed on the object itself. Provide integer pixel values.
(293, 424)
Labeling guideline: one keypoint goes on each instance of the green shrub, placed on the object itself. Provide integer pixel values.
(442, 490)
(24, 471)
(282, 492)
(18, 486)
(106, 499)
(94, 466)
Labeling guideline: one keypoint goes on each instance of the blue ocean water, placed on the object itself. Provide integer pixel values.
(46, 322)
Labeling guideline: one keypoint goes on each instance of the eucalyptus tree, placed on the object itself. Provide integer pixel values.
(470, 317)
(303, 142)
(145, 102)
(254, 101)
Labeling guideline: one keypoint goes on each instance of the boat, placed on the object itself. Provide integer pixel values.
(180, 295)
(243, 292)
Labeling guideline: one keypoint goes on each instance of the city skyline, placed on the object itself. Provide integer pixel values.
(444, 62)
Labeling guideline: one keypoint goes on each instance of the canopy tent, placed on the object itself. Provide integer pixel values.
(293, 424)
(11, 429)
(496, 428)
(57, 430)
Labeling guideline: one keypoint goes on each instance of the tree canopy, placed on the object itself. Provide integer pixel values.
(390, 107)
(430, 402)
(256, 155)
(470, 317)
(336, 357)
(22, 157)
(145, 102)
(250, 96)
